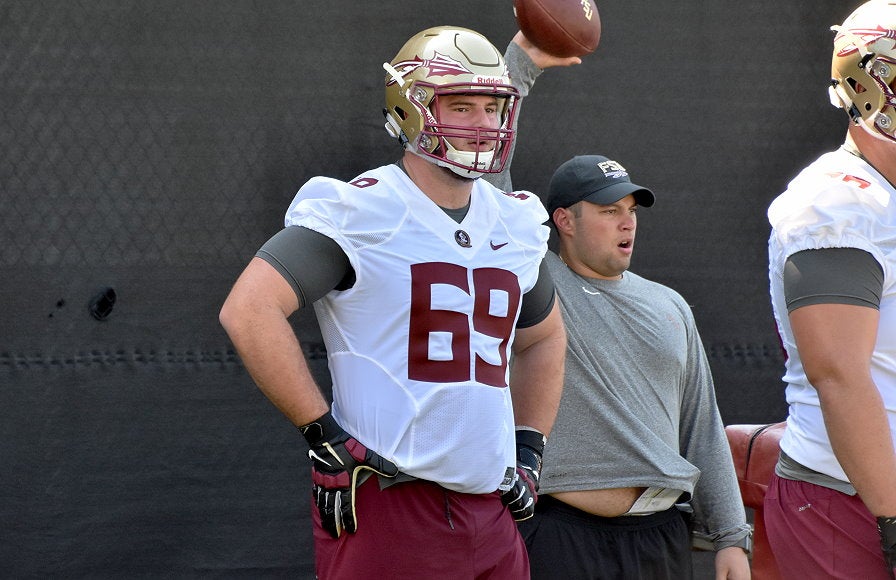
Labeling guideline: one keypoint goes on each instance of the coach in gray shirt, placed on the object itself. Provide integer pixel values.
(637, 469)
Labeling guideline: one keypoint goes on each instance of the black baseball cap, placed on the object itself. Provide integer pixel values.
(593, 178)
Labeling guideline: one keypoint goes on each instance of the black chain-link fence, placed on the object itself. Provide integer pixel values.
(149, 148)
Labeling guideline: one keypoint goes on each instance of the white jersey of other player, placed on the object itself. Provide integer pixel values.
(839, 201)
(418, 348)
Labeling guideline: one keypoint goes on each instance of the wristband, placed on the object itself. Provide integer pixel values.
(322, 429)
(531, 438)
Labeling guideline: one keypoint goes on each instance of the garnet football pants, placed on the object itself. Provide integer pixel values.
(818, 532)
(418, 529)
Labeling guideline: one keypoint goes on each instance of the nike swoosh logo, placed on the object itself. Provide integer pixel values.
(496, 246)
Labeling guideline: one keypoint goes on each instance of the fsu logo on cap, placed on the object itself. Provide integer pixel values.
(612, 169)
(462, 238)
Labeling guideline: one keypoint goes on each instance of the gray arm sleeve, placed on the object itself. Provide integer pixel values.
(312, 263)
(521, 69)
(538, 301)
(832, 276)
(523, 73)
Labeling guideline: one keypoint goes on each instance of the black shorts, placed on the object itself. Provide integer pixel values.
(565, 542)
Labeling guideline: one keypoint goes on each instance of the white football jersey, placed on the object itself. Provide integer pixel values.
(839, 201)
(418, 348)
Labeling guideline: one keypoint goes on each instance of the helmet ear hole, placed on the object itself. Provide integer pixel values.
(402, 114)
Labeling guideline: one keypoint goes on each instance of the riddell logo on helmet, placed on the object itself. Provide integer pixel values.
(439, 65)
(489, 81)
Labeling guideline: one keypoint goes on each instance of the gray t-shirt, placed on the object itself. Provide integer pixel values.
(639, 406)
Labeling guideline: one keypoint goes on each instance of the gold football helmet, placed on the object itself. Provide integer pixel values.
(440, 61)
(864, 66)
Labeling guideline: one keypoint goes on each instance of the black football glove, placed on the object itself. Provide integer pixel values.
(340, 463)
(520, 498)
(886, 527)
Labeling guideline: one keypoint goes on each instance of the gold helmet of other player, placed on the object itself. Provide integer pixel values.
(440, 61)
(864, 66)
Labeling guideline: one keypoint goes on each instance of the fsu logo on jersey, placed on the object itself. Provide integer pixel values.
(462, 238)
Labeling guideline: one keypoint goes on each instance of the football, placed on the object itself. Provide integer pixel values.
(560, 27)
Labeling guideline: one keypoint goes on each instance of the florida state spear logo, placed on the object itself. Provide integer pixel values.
(462, 238)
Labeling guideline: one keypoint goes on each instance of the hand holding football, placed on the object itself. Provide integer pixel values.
(562, 28)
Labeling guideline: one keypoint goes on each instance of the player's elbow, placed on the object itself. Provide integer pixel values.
(230, 316)
(830, 377)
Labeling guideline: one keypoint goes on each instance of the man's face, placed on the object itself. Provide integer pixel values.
(480, 113)
(601, 238)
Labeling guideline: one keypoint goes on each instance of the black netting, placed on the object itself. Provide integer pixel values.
(150, 148)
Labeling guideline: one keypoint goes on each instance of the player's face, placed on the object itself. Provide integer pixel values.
(603, 237)
(482, 112)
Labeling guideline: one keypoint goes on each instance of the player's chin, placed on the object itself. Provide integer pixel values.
(452, 174)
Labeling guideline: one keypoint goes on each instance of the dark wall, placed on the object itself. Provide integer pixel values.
(151, 147)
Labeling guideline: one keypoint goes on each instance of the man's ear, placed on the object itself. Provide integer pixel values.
(562, 219)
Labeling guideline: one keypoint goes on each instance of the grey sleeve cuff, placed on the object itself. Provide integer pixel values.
(833, 276)
(312, 263)
(741, 537)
